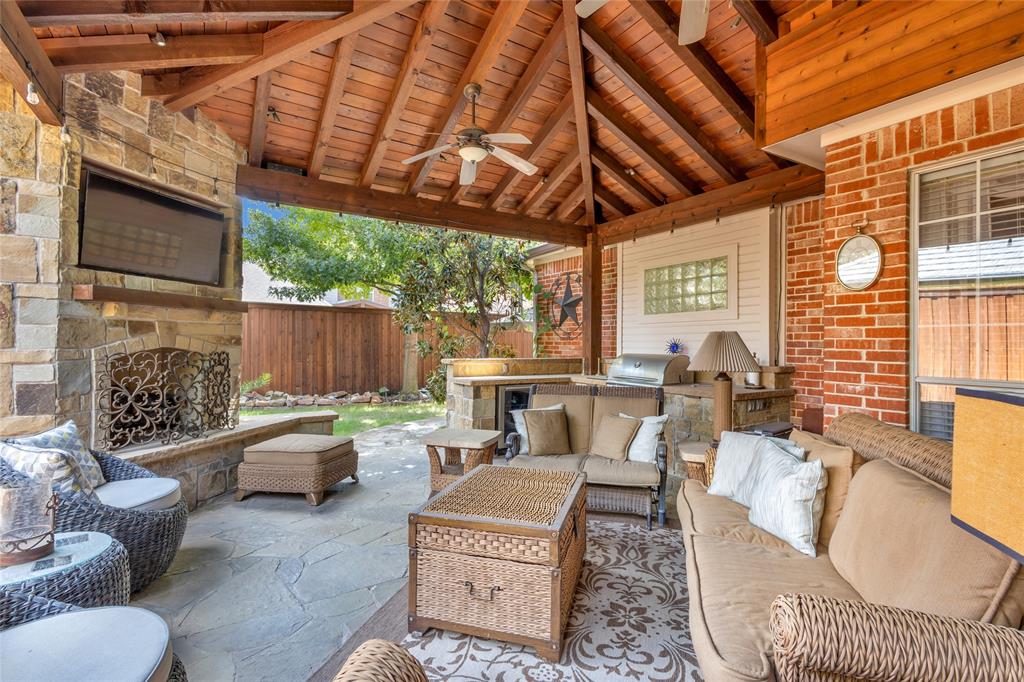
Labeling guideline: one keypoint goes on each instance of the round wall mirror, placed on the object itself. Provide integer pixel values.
(859, 262)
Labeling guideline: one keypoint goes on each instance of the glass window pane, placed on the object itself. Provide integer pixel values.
(947, 193)
(1002, 181)
(719, 266)
(1003, 225)
(935, 415)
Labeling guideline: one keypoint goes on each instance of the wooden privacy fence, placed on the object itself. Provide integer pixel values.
(318, 349)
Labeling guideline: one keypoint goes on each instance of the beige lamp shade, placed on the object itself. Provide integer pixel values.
(723, 352)
(988, 468)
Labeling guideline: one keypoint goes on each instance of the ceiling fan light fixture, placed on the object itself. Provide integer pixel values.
(472, 153)
(159, 40)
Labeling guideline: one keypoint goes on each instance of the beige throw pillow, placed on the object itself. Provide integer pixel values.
(548, 431)
(520, 422)
(840, 463)
(613, 436)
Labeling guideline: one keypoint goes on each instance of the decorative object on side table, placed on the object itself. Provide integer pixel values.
(988, 485)
(26, 521)
(85, 569)
(723, 352)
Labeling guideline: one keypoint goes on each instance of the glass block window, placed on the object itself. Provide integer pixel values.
(688, 287)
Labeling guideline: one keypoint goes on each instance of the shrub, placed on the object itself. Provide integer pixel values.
(256, 384)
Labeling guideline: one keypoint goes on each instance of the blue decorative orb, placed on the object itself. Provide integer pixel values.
(674, 346)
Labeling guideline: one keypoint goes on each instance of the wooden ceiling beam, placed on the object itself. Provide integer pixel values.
(648, 150)
(550, 50)
(760, 18)
(503, 21)
(554, 124)
(657, 100)
(611, 202)
(776, 187)
(578, 79)
(280, 45)
(87, 54)
(93, 12)
(539, 193)
(603, 160)
(288, 188)
(258, 131)
(570, 203)
(343, 50)
(416, 54)
(662, 20)
(23, 61)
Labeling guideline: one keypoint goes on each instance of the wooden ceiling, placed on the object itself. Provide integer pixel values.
(622, 118)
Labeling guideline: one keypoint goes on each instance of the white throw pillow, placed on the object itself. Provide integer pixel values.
(520, 422)
(736, 455)
(644, 447)
(788, 497)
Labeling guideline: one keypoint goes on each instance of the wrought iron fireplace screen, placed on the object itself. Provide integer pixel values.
(165, 395)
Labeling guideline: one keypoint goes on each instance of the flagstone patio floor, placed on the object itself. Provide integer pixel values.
(269, 588)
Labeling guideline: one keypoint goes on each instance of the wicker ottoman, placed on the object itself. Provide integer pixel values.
(297, 463)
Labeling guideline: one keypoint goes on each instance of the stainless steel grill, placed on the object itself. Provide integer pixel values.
(631, 369)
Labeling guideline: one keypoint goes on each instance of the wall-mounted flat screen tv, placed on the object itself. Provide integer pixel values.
(129, 228)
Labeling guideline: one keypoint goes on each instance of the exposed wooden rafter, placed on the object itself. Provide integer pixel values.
(554, 124)
(655, 98)
(265, 185)
(332, 98)
(570, 203)
(610, 202)
(99, 53)
(539, 193)
(660, 17)
(775, 187)
(578, 77)
(23, 61)
(506, 16)
(606, 162)
(760, 18)
(415, 56)
(280, 45)
(93, 12)
(258, 131)
(550, 50)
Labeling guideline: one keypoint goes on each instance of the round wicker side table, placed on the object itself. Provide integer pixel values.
(85, 569)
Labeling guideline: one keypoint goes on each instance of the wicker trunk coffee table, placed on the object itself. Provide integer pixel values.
(497, 554)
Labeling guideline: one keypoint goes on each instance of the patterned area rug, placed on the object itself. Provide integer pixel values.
(629, 621)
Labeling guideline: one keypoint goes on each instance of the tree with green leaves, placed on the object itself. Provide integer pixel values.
(439, 280)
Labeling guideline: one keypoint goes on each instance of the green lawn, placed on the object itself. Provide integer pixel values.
(356, 418)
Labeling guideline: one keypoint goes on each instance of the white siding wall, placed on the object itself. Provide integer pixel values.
(746, 235)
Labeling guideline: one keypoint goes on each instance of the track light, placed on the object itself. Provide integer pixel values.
(159, 40)
(736, 22)
(31, 94)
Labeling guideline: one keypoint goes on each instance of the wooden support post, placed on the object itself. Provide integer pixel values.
(592, 299)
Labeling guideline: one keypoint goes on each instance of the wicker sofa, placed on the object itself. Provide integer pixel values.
(620, 487)
(899, 593)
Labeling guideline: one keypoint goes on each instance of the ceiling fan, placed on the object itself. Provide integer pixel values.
(693, 17)
(475, 144)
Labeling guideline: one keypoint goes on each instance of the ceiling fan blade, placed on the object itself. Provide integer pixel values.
(693, 20)
(467, 173)
(584, 8)
(506, 138)
(423, 155)
(521, 165)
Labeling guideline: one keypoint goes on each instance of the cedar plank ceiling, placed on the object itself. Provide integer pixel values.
(298, 87)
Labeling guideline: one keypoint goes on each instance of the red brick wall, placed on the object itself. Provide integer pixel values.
(866, 334)
(549, 345)
(804, 303)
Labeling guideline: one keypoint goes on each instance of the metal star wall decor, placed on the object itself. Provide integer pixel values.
(565, 296)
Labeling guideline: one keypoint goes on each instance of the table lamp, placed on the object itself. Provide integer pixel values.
(988, 468)
(723, 352)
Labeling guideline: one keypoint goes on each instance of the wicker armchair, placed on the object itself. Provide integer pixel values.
(17, 608)
(152, 537)
(823, 639)
(379, 660)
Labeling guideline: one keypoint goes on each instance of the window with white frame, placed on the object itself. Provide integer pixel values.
(968, 270)
(687, 287)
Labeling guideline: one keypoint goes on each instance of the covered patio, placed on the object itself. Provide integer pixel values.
(806, 215)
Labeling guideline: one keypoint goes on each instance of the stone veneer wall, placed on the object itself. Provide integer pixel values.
(49, 343)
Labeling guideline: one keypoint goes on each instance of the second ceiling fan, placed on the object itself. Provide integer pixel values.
(475, 144)
(693, 17)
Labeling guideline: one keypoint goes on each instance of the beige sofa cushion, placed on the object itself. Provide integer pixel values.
(553, 462)
(547, 431)
(896, 545)
(604, 471)
(610, 405)
(840, 463)
(716, 515)
(579, 411)
(732, 585)
(613, 436)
